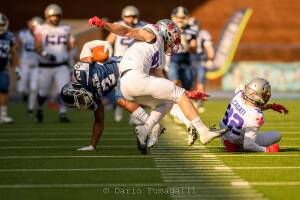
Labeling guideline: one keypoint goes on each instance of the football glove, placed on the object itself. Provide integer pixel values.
(197, 95)
(279, 108)
(273, 148)
(88, 148)
(96, 21)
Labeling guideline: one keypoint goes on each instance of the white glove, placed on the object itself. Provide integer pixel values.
(88, 148)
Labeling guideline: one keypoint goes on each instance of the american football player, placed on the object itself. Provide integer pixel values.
(28, 82)
(96, 76)
(53, 42)
(147, 56)
(202, 59)
(8, 55)
(181, 71)
(130, 17)
(244, 117)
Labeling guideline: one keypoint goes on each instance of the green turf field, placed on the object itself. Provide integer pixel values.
(40, 161)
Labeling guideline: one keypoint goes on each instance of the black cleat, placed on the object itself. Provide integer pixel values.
(63, 118)
(39, 116)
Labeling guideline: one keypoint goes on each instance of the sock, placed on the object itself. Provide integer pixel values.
(177, 113)
(140, 114)
(32, 100)
(198, 124)
(3, 110)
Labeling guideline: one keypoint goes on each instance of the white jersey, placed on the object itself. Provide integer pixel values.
(203, 38)
(29, 55)
(54, 41)
(122, 43)
(240, 116)
(143, 56)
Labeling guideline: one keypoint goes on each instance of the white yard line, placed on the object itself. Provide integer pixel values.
(81, 169)
(283, 183)
(258, 167)
(67, 156)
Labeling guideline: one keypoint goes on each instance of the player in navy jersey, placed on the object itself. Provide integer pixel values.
(8, 56)
(94, 80)
(181, 71)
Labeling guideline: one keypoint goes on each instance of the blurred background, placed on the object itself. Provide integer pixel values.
(269, 45)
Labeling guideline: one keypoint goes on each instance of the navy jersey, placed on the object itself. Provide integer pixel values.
(98, 78)
(7, 41)
(188, 33)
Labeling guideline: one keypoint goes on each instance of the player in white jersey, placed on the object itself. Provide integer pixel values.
(244, 117)
(53, 43)
(148, 56)
(130, 17)
(28, 83)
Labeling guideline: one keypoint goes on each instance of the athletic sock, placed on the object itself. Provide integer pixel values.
(140, 114)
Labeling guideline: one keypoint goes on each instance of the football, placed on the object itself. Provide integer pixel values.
(99, 55)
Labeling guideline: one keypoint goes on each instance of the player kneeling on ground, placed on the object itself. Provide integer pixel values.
(244, 118)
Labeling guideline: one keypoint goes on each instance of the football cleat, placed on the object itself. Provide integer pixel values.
(207, 136)
(63, 118)
(118, 114)
(142, 137)
(155, 134)
(6, 120)
(192, 135)
(273, 148)
(39, 116)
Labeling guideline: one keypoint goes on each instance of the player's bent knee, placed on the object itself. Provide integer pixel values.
(177, 93)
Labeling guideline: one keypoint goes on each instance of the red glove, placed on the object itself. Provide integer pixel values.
(279, 108)
(96, 21)
(273, 148)
(197, 95)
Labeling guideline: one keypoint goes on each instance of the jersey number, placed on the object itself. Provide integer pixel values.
(233, 120)
(108, 82)
(55, 39)
(155, 59)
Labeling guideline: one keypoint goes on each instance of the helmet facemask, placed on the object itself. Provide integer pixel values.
(258, 91)
(75, 96)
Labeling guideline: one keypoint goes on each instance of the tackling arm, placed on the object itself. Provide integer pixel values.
(118, 29)
(98, 125)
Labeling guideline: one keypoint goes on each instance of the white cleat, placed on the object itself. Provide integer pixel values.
(155, 134)
(142, 137)
(118, 114)
(6, 120)
(207, 136)
(192, 135)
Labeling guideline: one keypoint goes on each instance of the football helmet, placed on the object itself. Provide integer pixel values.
(4, 23)
(258, 91)
(180, 16)
(75, 96)
(53, 9)
(171, 35)
(130, 11)
(36, 21)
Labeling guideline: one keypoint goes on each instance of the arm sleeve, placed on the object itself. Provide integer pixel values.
(249, 141)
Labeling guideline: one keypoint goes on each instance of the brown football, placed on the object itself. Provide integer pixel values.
(99, 55)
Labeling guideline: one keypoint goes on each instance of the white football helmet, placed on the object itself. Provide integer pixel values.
(36, 21)
(53, 9)
(258, 91)
(171, 35)
(130, 11)
(4, 23)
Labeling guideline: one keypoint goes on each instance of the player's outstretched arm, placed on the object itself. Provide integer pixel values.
(118, 29)
(275, 107)
(97, 128)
